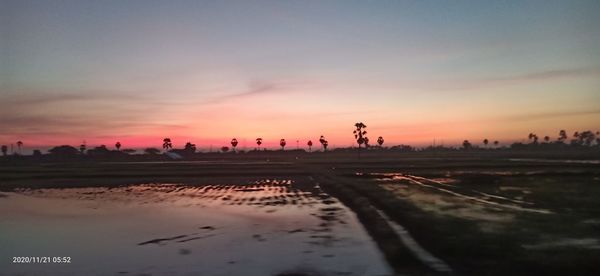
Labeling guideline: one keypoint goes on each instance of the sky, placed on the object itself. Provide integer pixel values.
(209, 71)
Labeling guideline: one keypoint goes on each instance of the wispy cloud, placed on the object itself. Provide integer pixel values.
(548, 115)
(270, 87)
(539, 76)
(546, 75)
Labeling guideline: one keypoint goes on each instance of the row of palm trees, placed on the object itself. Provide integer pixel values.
(360, 134)
(168, 144)
(4, 148)
(583, 138)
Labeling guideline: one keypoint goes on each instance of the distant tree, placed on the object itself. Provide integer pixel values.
(259, 142)
(466, 144)
(486, 142)
(546, 138)
(82, 148)
(534, 138)
(4, 150)
(37, 153)
(19, 145)
(129, 151)
(64, 150)
(323, 142)
(151, 151)
(562, 136)
(282, 143)
(224, 149)
(309, 145)
(118, 146)
(234, 143)
(380, 141)
(367, 142)
(360, 133)
(189, 147)
(496, 143)
(101, 150)
(404, 148)
(167, 144)
(586, 138)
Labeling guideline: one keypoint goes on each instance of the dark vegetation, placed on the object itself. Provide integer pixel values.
(584, 144)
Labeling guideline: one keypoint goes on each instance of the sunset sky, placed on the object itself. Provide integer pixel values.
(208, 71)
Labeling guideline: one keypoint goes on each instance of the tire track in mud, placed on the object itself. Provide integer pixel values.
(403, 251)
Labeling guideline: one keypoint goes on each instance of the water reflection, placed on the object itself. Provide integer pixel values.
(265, 227)
(448, 186)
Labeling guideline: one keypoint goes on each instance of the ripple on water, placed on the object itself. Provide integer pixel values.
(264, 227)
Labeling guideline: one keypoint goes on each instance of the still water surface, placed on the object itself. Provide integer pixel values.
(266, 227)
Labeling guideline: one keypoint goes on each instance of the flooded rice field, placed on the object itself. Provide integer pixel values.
(543, 210)
(266, 227)
(452, 187)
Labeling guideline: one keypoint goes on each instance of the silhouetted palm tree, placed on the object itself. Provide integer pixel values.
(533, 137)
(4, 150)
(380, 141)
(486, 142)
(562, 135)
(323, 142)
(167, 144)
(310, 145)
(118, 146)
(586, 138)
(282, 143)
(189, 147)
(224, 149)
(546, 138)
(19, 145)
(466, 144)
(259, 142)
(234, 143)
(496, 143)
(359, 133)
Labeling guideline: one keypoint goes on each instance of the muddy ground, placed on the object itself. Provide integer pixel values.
(480, 215)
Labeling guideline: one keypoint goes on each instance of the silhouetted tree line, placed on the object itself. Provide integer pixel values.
(578, 140)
